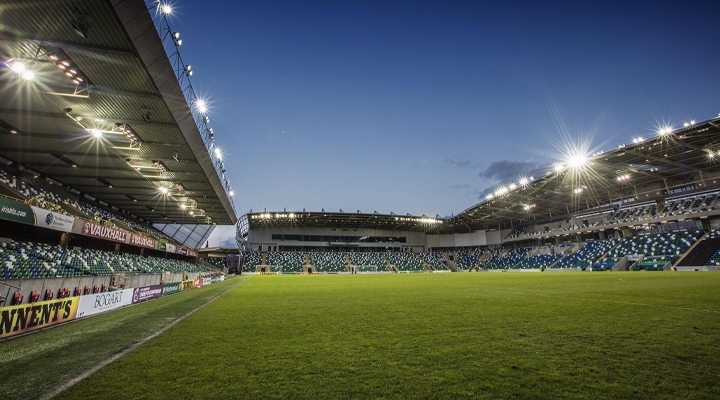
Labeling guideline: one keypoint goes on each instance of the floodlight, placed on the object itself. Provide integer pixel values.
(692, 122)
(665, 130)
(165, 9)
(163, 190)
(183, 206)
(577, 160)
(96, 133)
(558, 167)
(200, 104)
(489, 196)
(232, 194)
(218, 154)
(18, 67)
(28, 75)
(523, 181)
(176, 35)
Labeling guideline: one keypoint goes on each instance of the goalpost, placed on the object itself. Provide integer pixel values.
(370, 268)
(269, 269)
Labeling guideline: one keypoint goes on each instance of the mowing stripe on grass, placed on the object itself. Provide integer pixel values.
(629, 303)
(65, 386)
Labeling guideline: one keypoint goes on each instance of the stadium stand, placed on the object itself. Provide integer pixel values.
(405, 261)
(328, 261)
(467, 259)
(675, 244)
(433, 260)
(690, 204)
(36, 260)
(539, 261)
(290, 261)
(368, 261)
(588, 253)
(511, 258)
(252, 260)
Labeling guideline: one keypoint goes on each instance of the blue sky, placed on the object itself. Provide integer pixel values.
(419, 107)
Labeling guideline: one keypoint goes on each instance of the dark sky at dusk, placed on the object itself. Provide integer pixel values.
(419, 107)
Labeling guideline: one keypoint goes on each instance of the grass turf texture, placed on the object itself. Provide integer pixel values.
(37, 363)
(479, 335)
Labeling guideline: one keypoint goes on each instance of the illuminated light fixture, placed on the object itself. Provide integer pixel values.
(638, 140)
(489, 196)
(191, 213)
(164, 190)
(692, 122)
(232, 194)
(528, 207)
(206, 119)
(201, 107)
(176, 35)
(218, 154)
(578, 191)
(558, 167)
(183, 206)
(18, 67)
(13, 132)
(165, 9)
(711, 155)
(97, 133)
(291, 215)
(159, 165)
(666, 130)
(501, 191)
(21, 70)
(622, 178)
(524, 181)
(512, 186)
(577, 161)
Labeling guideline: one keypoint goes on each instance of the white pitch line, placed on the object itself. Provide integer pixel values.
(630, 303)
(67, 385)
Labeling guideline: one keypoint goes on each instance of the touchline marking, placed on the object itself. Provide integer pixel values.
(631, 303)
(67, 385)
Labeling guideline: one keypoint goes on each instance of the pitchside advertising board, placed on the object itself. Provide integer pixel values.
(171, 288)
(147, 293)
(23, 318)
(98, 303)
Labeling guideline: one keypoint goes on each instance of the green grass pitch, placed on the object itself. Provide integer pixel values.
(465, 335)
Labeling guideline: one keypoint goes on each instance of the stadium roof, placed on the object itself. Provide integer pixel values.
(673, 161)
(100, 69)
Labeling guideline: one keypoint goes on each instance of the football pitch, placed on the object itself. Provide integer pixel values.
(465, 335)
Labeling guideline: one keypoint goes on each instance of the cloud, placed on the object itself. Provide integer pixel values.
(506, 170)
(448, 162)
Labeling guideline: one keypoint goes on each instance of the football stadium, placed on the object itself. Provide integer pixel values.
(593, 277)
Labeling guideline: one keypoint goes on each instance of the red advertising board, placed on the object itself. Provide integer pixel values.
(142, 241)
(104, 232)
